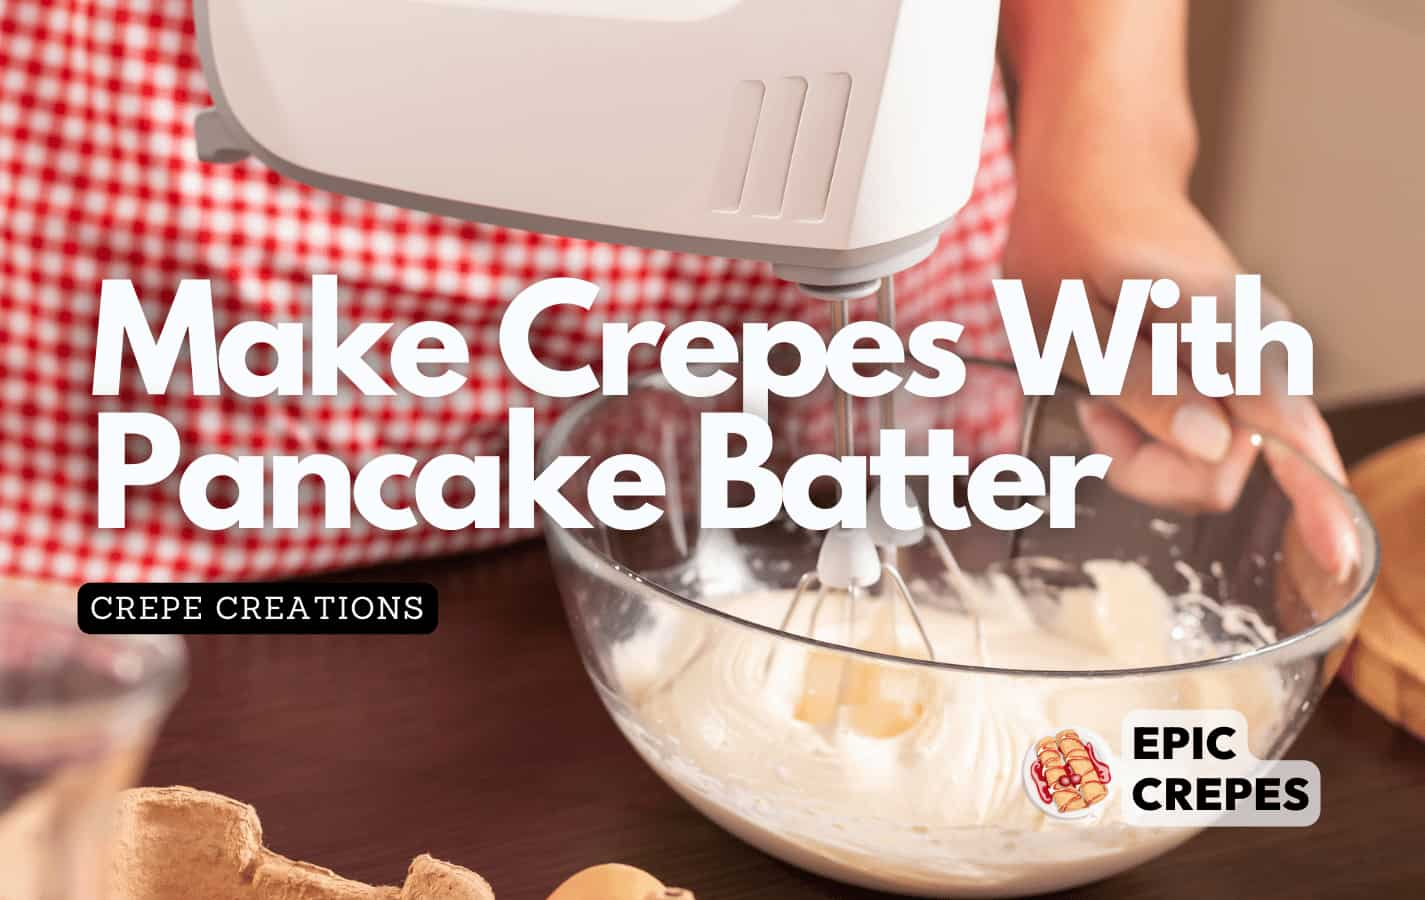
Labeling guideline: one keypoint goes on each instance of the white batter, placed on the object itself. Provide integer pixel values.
(907, 779)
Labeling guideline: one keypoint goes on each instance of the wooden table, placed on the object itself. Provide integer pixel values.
(486, 745)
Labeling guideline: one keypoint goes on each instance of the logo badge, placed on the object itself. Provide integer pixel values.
(1069, 775)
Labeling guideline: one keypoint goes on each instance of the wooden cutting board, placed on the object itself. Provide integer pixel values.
(1385, 667)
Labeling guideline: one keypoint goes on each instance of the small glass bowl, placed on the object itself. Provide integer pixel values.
(78, 713)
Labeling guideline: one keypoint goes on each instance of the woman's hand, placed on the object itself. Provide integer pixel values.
(1187, 451)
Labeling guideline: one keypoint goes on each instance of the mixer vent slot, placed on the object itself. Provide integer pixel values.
(783, 139)
(737, 151)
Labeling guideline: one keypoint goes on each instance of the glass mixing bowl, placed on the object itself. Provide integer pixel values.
(677, 628)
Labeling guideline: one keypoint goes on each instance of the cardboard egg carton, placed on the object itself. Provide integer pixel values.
(178, 843)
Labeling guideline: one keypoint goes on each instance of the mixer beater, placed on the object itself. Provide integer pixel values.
(854, 562)
(893, 541)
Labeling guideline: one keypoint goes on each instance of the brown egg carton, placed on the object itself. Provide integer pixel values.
(178, 843)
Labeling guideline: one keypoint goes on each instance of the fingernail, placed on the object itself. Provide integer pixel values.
(1092, 413)
(1348, 550)
(1202, 431)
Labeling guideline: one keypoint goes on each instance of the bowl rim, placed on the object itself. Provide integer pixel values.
(1319, 635)
(140, 699)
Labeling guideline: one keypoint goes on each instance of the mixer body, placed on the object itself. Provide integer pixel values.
(832, 140)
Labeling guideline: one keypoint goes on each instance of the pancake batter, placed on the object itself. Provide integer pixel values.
(904, 777)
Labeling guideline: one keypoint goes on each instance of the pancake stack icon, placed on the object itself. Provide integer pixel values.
(1067, 774)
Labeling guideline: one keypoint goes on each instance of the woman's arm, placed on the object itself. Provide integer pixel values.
(1105, 143)
(1102, 87)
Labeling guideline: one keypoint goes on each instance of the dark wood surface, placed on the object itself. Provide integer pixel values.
(485, 744)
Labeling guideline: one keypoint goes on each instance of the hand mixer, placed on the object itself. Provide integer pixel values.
(834, 141)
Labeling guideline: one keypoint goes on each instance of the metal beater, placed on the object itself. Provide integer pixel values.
(857, 560)
(892, 541)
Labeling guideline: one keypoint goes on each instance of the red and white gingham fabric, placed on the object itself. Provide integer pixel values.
(98, 179)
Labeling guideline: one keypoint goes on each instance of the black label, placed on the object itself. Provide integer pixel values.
(258, 608)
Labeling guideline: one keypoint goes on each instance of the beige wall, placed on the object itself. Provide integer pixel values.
(1313, 123)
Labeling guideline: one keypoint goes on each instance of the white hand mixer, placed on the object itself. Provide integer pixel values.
(834, 141)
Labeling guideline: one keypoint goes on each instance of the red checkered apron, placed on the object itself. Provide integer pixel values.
(98, 179)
